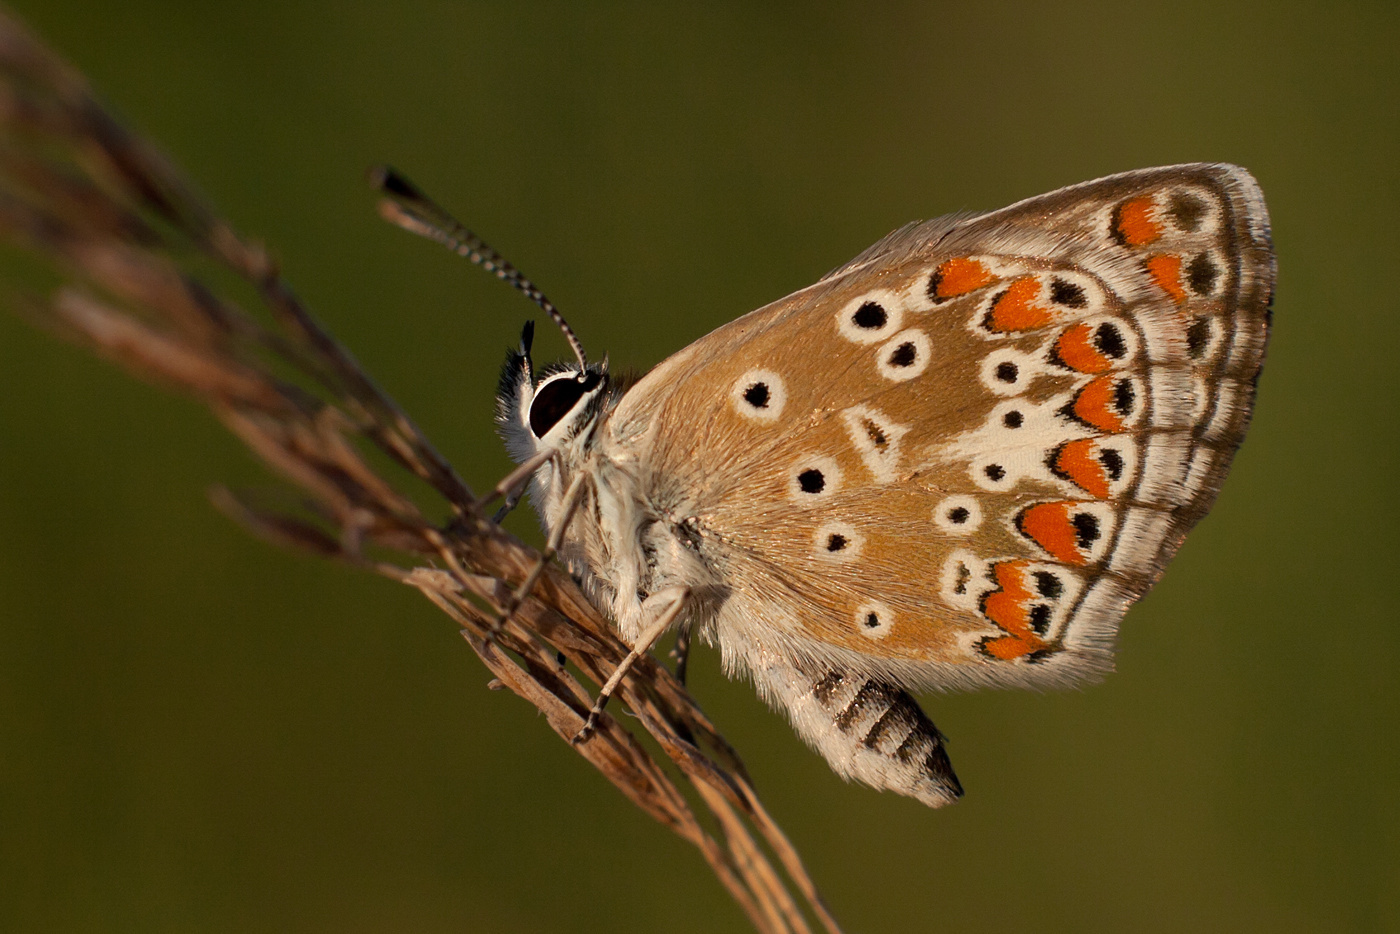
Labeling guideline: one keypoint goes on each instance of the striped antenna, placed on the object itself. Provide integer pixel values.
(407, 207)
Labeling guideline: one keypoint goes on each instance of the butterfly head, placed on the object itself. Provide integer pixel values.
(555, 411)
(555, 408)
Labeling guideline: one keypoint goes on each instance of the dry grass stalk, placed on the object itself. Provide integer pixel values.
(99, 205)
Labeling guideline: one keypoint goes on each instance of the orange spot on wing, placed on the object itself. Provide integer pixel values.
(1015, 309)
(1079, 461)
(1009, 607)
(1094, 405)
(959, 276)
(1165, 270)
(1076, 350)
(1049, 526)
(1136, 222)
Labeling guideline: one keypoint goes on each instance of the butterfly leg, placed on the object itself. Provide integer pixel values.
(572, 495)
(681, 651)
(512, 500)
(512, 487)
(666, 605)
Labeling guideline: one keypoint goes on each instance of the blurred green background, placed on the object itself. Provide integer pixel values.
(201, 733)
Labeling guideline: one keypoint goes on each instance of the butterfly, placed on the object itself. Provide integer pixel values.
(953, 462)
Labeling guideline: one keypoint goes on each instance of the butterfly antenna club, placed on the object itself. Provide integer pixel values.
(406, 206)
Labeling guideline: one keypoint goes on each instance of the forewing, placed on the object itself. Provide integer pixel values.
(960, 457)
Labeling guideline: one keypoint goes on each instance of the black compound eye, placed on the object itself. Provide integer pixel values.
(556, 398)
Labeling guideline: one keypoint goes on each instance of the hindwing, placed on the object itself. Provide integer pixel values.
(959, 458)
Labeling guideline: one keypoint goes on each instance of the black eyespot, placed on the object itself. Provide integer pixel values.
(1040, 618)
(1007, 372)
(1201, 274)
(875, 433)
(556, 398)
(757, 395)
(1186, 210)
(904, 355)
(1069, 294)
(811, 480)
(1013, 419)
(1112, 463)
(1086, 529)
(964, 575)
(994, 472)
(1198, 336)
(872, 620)
(1048, 585)
(933, 283)
(836, 543)
(1123, 396)
(870, 316)
(1109, 341)
(958, 515)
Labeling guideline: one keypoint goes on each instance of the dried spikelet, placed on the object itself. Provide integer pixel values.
(103, 207)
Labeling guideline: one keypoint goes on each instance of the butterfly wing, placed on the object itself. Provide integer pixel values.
(958, 459)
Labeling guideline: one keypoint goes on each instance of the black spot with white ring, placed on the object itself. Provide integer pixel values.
(958, 515)
(874, 620)
(1187, 211)
(1199, 336)
(759, 395)
(964, 575)
(1109, 341)
(1112, 462)
(1007, 371)
(1086, 529)
(1069, 294)
(1123, 397)
(837, 541)
(904, 355)
(870, 316)
(1048, 585)
(1201, 274)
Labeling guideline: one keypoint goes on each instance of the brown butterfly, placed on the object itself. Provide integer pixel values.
(953, 462)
